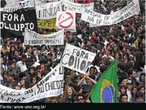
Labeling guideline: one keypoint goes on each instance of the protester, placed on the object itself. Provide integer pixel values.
(24, 66)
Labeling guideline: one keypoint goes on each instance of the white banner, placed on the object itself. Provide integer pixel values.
(78, 8)
(48, 10)
(66, 20)
(51, 85)
(13, 5)
(102, 20)
(33, 38)
(76, 58)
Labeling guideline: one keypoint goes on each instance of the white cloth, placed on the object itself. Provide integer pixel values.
(129, 95)
(21, 65)
(109, 57)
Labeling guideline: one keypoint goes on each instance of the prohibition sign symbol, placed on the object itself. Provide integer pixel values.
(65, 20)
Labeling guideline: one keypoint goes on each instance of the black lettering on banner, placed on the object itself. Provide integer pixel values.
(83, 65)
(71, 60)
(86, 56)
(78, 63)
(75, 63)
(106, 18)
(28, 91)
(127, 14)
(15, 22)
(98, 21)
(61, 70)
(58, 84)
(90, 19)
(106, 23)
(82, 54)
(52, 11)
(47, 87)
(63, 58)
(74, 51)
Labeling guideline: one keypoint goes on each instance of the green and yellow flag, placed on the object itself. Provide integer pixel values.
(106, 89)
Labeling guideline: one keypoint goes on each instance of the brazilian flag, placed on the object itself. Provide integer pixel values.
(106, 90)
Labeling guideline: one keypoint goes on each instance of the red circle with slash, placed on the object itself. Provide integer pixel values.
(61, 22)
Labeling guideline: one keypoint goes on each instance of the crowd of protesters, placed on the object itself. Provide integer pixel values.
(23, 66)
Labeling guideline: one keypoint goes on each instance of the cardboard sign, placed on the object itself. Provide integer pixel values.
(76, 58)
(17, 21)
(66, 20)
(103, 20)
(33, 38)
(47, 24)
(48, 10)
(50, 86)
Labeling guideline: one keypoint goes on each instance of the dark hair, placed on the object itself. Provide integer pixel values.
(141, 75)
(139, 94)
(122, 96)
(80, 95)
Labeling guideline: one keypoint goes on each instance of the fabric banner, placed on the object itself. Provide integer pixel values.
(48, 10)
(102, 20)
(106, 89)
(14, 5)
(47, 24)
(66, 20)
(78, 8)
(51, 85)
(17, 21)
(76, 58)
(32, 38)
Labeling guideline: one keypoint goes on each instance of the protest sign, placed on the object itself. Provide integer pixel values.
(17, 21)
(102, 20)
(76, 58)
(47, 24)
(66, 20)
(51, 85)
(48, 10)
(32, 38)
(76, 7)
(14, 5)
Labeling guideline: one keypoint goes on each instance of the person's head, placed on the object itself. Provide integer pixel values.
(34, 80)
(124, 82)
(32, 71)
(43, 47)
(88, 81)
(134, 91)
(29, 49)
(16, 52)
(12, 48)
(10, 77)
(129, 84)
(35, 52)
(139, 97)
(81, 98)
(17, 87)
(142, 90)
(123, 89)
(124, 98)
(132, 72)
(107, 52)
(142, 77)
(42, 68)
(92, 70)
(126, 55)
(22, 83)
(58, 48)
(1, 60)
(12, 64)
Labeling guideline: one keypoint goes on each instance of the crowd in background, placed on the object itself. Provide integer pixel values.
(23, 66)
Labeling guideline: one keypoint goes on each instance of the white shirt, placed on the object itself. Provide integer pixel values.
(22, 66)
(129, 95)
